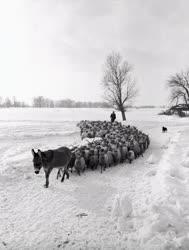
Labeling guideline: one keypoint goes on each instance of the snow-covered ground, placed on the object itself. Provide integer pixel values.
(144, 205)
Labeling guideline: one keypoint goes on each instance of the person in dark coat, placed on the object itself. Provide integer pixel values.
(113, 116)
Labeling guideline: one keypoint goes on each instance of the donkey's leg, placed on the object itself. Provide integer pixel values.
(63, 177)
(47, 173)
(65, 172)
(58, 174)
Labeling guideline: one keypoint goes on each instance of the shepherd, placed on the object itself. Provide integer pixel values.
(113, 116)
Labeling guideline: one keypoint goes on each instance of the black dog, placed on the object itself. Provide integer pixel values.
(164, 129)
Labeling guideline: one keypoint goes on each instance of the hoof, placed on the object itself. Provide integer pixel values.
(45, 186)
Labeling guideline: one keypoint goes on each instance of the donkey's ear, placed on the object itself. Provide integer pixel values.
(33, 152)
(39, 152)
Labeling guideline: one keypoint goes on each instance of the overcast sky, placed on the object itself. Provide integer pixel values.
(57, 48)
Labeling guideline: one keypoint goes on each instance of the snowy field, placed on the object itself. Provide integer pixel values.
(144, 205)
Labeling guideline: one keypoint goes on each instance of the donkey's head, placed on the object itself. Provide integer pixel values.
(37, 161)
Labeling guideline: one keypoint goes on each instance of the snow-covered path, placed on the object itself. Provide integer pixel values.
(167, 225)
(77, 213)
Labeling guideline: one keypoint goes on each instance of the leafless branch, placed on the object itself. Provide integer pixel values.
(118, 84)
(179, 84)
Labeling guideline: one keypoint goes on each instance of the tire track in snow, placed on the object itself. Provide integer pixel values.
(168, 223)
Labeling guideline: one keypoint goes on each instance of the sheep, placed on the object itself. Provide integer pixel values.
(131, 155)
(79, 163)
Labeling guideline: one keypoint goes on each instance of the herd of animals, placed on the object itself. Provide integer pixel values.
(117, 144)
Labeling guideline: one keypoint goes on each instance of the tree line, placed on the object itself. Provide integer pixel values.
(12, 102)
(43, 102)
(120, 90)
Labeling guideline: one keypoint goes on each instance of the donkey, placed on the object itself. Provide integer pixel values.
(57, 158)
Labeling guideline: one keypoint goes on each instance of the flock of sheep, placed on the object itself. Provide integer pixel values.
(117, 144)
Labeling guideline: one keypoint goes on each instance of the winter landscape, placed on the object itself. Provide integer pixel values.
(143, 205)
(96, 92)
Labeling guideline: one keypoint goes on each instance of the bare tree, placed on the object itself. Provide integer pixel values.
(42, 102)
(7, 103)
(179, 85)
(120, 88)
(38, 102)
